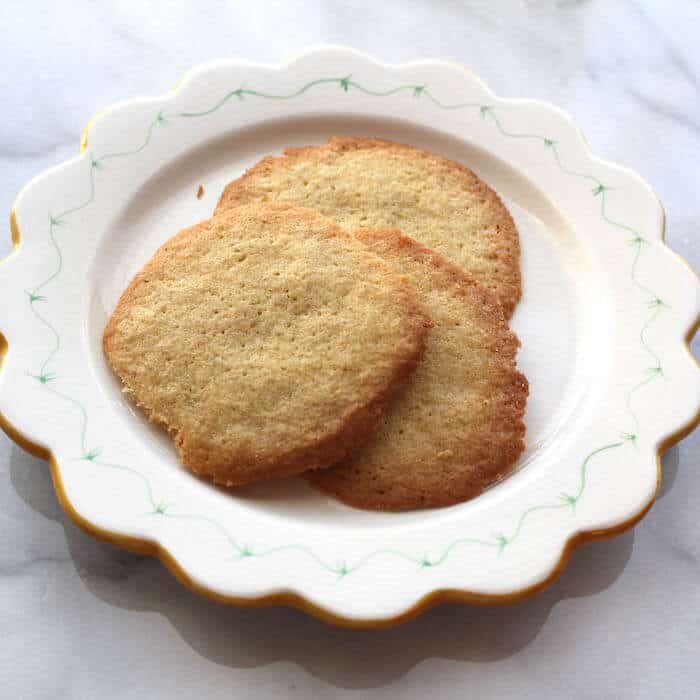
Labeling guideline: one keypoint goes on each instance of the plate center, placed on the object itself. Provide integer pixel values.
(554, 320)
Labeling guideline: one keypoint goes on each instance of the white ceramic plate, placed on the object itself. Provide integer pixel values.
(603, 321)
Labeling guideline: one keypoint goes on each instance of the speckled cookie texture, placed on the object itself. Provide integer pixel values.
(267, 340)
(457, 426)
(372, 183)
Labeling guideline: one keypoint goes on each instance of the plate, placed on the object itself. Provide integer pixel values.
(606, 313)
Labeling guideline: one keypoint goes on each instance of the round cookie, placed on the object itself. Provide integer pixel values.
(457, 425)
(371, 183)
(266, 340)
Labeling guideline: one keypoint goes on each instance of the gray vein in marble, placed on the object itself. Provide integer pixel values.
(683, 554)
(676, 57)
(80, 620)
(680, 552)
(34, 150)
(121, 29)
(591, 72)
(27, 567)
(667, 110)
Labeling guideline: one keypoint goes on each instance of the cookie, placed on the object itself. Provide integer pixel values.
(370, 183)
(457, 426)
(266, 340)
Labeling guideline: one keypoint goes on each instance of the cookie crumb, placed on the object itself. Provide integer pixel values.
(200, 192)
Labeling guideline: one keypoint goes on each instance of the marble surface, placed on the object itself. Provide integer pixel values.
(79, 619)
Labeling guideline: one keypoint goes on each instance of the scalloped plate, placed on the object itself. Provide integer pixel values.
(603, 321)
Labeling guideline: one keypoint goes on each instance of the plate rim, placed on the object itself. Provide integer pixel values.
(153, 548)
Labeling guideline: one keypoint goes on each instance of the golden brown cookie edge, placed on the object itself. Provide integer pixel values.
(242, 190)
(317, 454)
(336, 481)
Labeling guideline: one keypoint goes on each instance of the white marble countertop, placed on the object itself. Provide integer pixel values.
(79, 619)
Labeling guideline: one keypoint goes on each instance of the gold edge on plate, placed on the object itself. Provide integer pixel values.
(98, 115)
(445, 595)
(451, 595)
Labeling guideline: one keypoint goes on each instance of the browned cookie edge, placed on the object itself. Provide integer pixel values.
(242, 190)
(248, 465)
(501, 454)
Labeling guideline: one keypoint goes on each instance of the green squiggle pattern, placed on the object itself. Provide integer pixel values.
(498, 542)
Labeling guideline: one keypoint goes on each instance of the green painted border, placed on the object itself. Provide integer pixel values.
(498, 542)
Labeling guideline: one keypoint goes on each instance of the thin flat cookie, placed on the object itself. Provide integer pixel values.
(266, 340)
(371, 183)
(457, 426)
